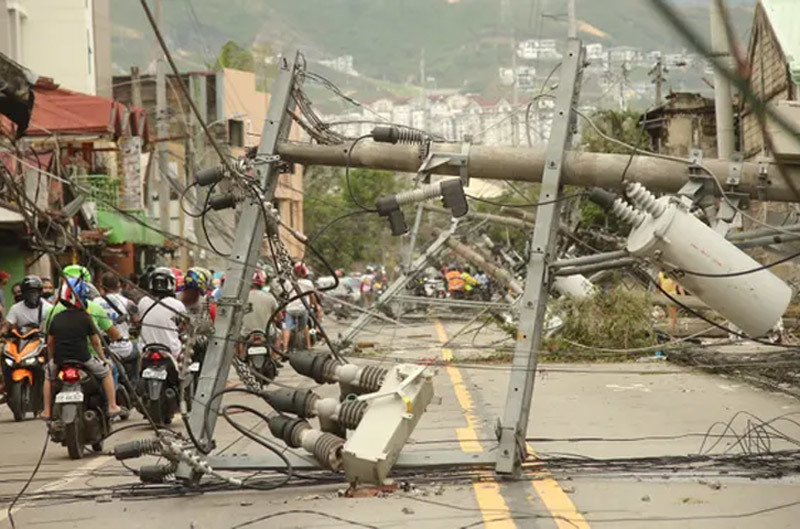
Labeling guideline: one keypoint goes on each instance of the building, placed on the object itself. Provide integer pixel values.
(774, 57)
(235, 111)
(685, 122)
(67, 40)
(595, 52)
(623, 54)
(86, 164)
(538, 49)
(343, 64)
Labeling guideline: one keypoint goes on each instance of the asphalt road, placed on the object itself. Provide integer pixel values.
(623, 411)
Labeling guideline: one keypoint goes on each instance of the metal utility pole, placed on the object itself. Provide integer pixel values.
(572, 20)
(162, 132)
(723, 104)
(514, 425)
(243, 258)
(514, 91)
(657, 73)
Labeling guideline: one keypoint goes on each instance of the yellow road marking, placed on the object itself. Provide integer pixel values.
(494, 509)
(558, 502)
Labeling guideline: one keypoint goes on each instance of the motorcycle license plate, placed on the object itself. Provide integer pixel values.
(257, 351)
(66, 397)
(157, 374)
(194, 367)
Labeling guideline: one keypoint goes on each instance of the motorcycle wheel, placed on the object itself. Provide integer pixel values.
(156, 411)
(72, 438)
(16, 401)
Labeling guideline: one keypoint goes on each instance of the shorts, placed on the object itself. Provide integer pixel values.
(295, 320)
(95, 366)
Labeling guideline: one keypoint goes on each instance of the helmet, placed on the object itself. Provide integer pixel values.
(196, 279)
(77, 270)
(370, 270)
(178, 275)
(161, 281)
(259, 278)
(74, 291)
(300, 270)
(31, 291)
(144, 279)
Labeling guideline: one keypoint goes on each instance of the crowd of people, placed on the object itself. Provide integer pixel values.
(85, 319)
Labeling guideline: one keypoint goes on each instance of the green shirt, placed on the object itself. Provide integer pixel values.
(95, 310)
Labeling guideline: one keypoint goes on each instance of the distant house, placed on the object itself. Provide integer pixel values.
(595, 52)
(623, 54)
(538, 49)
(685, 122)
(774, 58)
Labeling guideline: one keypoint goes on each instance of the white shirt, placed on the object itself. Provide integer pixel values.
(21, 315)
(121, 303)
(158, 322)
(305, 285)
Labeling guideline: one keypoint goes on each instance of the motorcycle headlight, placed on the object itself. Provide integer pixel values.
(30, 361)
(9, 361)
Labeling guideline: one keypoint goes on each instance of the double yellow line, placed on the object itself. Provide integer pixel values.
(494, 509)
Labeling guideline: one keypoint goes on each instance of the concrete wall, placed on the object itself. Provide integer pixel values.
(58, 42)
(102, 47)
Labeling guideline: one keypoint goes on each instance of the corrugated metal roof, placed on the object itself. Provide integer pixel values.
(783, 17)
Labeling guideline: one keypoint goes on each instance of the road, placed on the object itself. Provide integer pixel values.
(625, 411)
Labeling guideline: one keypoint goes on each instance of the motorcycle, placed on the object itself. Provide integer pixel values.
(258, 355)
(79, 417)
(195, 367)
(159, 384)
(23, 370)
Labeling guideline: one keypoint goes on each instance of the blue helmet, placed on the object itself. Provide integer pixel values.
(74, 291)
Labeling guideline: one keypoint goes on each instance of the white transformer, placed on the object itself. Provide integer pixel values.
(667, 234)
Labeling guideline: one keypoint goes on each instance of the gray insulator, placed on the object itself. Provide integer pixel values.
(328, 451)
(645, 200)
(371, 378)
(351, 413)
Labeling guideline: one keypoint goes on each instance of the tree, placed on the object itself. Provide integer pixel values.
(620, 125)
(337, 225)
(234, 56)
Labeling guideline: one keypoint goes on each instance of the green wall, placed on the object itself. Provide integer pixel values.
(12, 261)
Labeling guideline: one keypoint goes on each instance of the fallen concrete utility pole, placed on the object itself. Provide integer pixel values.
(689, 301)
(527, 164)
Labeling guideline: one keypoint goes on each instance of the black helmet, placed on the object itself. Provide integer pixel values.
(161, 282)
(31, 291)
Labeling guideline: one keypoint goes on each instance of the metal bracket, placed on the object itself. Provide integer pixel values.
(735, 169)
(763, 177)
(435, 160)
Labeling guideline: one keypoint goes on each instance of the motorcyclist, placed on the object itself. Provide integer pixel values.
(195, 296)
(96, 311)
(31, 311)
(161, 315)
(121, 311)
(28, 313)
(296, 314)
(261, 305)
(70, 334)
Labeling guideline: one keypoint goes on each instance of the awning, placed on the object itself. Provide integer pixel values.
(61, 111)
(122, 228)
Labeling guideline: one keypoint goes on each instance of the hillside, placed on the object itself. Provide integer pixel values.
(464, 41)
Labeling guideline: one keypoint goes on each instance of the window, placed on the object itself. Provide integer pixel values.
(235, 133)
